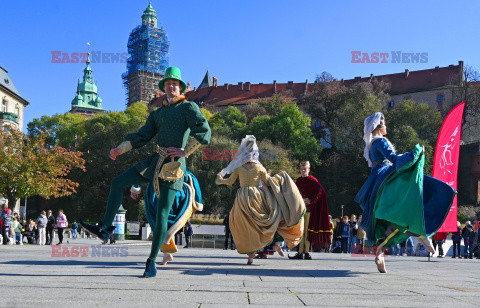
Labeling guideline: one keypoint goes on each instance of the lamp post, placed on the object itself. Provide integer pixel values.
(342, 209)
(119, 223)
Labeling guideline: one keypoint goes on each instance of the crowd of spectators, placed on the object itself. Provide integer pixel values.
(349, 237)
(40, 231)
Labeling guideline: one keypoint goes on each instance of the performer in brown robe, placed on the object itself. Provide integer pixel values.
(316, 218)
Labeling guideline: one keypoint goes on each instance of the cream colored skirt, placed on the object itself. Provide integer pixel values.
(258, 213)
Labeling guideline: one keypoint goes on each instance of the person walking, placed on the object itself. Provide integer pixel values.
(228, 234)
(42, 225)
(188, 231)
(468, 238)
(50, 227)
(62, 223)
(457, 239)
(360, 236)
(6, 222)
(440, 238)
(75, 229)
(344, 233)
(352, 235)
(17, 228)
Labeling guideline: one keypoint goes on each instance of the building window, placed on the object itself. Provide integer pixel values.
(440, 98)
(4, 106)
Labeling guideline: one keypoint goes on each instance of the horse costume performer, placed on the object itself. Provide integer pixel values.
(170, 125)
(187, 201)
(398, 200)
(260, 216)
(317, 228)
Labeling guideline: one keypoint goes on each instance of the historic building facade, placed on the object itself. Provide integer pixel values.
(11, 112)
(12, 103)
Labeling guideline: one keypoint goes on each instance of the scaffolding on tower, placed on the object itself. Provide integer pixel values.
(148, 48)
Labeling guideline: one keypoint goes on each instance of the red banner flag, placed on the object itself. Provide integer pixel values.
(445, 162)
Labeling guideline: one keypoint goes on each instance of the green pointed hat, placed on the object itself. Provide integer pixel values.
(173, 73)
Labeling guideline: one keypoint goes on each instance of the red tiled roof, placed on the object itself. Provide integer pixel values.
(417, 81)
(406, 82)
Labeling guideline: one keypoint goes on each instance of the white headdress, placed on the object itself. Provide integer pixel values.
(370, 124)
(247, 152)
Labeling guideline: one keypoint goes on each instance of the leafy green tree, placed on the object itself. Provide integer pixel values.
(95, 136)
(230, 122)
(410, 123)
(209, 160)
(288, 126)
(65, 129)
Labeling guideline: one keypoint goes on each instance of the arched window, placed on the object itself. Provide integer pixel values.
(17, 110)
(4, 105)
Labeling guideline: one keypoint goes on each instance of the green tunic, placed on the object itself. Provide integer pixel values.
(171, 125)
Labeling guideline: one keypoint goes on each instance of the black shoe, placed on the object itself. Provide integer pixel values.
(58, 243)
(96, 230)
(185, 246)
(298, 256)
(307, 256)
(470, 257)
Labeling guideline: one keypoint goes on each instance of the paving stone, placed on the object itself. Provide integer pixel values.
(31, 276)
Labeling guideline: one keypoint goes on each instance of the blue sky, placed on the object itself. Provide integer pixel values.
(256, 41)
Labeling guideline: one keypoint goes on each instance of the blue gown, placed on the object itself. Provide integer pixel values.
(183, 206)
(398, 193)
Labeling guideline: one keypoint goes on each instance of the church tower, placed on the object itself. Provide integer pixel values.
(148, 48)
(87, 101)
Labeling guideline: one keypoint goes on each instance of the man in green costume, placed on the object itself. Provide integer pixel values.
(170, 125)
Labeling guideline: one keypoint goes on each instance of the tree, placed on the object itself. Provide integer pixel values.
(65, 129)
(341, 110)
(230, 122)
(29, 167)
(95, 136)
(287, 125)
(410, 123)
(466, 88)
(209, 160)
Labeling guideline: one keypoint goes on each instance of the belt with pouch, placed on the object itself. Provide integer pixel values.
(169, 172)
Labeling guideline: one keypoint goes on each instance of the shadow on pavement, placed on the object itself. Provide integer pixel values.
(74, 263)
(265, 272)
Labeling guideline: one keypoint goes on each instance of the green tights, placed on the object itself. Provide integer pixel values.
(167, 196)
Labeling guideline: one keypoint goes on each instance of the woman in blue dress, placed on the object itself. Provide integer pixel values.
(398, 200)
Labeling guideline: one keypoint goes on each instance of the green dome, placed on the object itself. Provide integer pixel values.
(149, 16)
(87, 87)
(77, 100)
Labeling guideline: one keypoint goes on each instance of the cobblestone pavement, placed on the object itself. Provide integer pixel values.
(110, 276)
